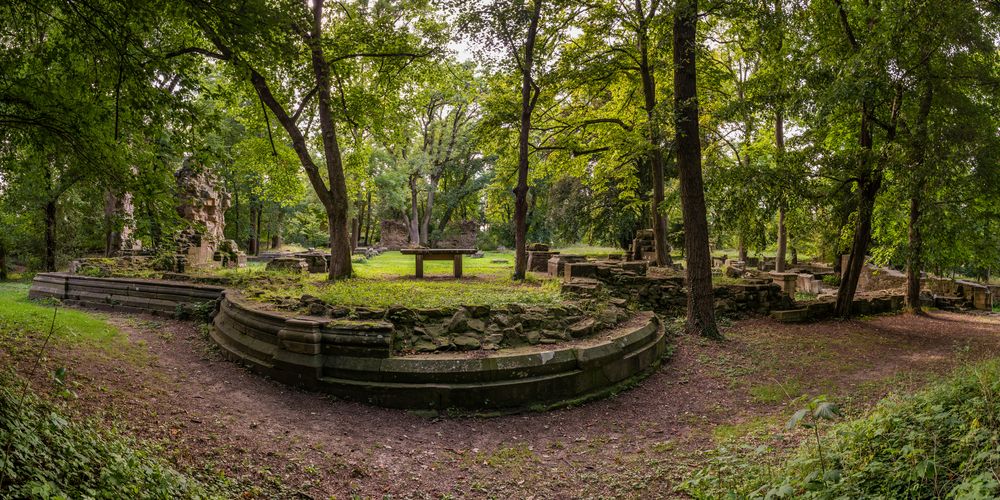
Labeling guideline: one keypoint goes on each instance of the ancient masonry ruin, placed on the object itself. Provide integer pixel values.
(202, 203)
(368, 356)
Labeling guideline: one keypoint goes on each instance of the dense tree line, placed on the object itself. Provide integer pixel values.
(810, 127)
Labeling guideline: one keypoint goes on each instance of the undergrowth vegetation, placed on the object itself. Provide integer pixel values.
(943, 442)
(45, 455)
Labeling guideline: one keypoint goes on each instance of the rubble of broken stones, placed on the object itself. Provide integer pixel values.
(664, 293)
(475, 327)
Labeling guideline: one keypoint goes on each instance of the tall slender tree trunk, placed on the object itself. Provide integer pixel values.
(368, 221)
(252, 244)
(3, 260)
(914, 258)
(414, 213)
(425, 223)
(741, 250)
(701, 300)
(869, 185)
(279, 228)
(779, 143)
(50, 235)
(653, 136)
(528, 99)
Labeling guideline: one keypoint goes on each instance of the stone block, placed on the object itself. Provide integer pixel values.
(557, 264)
(288, 265)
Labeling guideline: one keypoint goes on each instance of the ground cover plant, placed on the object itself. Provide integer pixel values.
(44, 454)
(942, 442)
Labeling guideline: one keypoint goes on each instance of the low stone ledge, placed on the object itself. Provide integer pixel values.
(125, 294)
(355, 363)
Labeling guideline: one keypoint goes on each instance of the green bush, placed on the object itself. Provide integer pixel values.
(831, 279)
(943, 442)
(44, 455)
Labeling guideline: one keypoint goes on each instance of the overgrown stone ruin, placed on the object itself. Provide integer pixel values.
(202, 203)
(665, 293)
(474, 327)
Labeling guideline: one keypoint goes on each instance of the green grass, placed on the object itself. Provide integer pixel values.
(416, 293)
(397, 264)
(387, 280)
(590, 251)
(19, 316)
(776, 392)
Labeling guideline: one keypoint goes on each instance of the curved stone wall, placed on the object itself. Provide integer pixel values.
(123, 294)
(351, 359)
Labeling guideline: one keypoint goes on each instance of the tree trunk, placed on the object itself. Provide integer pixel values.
(914, 258)
(112, 237)
(701, 300)
(425, 224)
(3, 261)
(252, 241)
(795, 256)
(355, 229)
(741, 250)
(779, 261)
(368, 221)
(653, 136)
(279, 228)
(50, 236)
(868, 186)
(414, 213)
(779, 143)
(913, 261)
(528, 99)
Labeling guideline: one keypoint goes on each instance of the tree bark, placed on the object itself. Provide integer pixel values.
(528, 98)
(869, 185)
(279, 228)
(334, 197)
(3, 260)
(653, 136)
(779, 143)
(741, 250)
(914, 258)
(779, 261)
(50, 235)
(414, 218)
(112, 237)
(368, 221)
(252, 241)
(701, 300)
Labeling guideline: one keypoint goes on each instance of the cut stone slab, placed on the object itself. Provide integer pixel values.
(288, 265)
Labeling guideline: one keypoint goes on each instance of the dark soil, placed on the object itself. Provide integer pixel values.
(170, 385)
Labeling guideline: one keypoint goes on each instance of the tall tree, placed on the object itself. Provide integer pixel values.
(701, 299)
(331, 39)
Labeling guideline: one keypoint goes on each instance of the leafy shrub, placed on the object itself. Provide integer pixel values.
(198, 311)
(44, 455)
(831, 279)
(943, 442)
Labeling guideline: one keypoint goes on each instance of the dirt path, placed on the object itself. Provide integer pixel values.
(212, 414)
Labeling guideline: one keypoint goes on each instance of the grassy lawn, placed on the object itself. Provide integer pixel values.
(18, 316)
(388, 280)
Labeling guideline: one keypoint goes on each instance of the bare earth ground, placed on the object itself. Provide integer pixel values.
(170, 386)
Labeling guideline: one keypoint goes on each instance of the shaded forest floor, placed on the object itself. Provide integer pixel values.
(166, 383)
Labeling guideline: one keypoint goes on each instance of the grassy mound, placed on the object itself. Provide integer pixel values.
(943, 442)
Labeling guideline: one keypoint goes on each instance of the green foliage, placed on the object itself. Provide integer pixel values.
(940, 443)
(43, 454)
(20, 316)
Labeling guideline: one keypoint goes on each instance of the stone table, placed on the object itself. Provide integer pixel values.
(453, 254)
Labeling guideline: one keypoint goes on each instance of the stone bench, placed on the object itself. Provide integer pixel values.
(452, 254)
